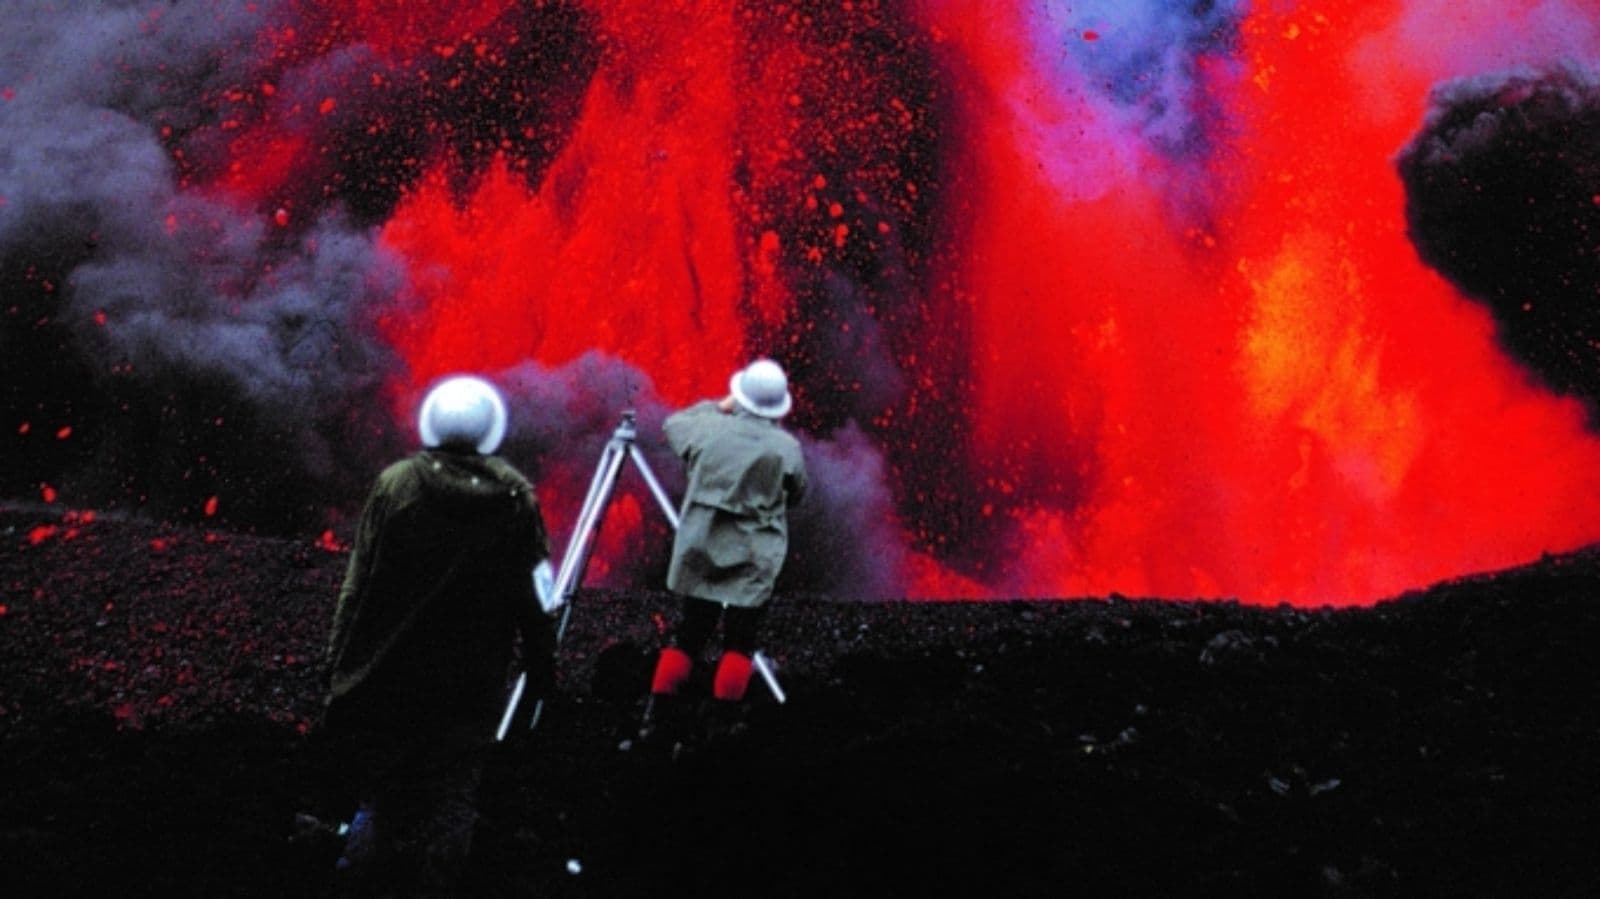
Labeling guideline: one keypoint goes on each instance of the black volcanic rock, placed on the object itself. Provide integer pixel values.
(159, 688)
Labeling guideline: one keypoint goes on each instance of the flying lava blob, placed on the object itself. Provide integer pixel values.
(1133, 297)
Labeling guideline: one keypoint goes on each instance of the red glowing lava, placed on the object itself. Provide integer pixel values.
(1278, 403)
(1220, 373)
(631, 243)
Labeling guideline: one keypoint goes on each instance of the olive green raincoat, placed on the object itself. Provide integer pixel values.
(744, 473)
(438, 586)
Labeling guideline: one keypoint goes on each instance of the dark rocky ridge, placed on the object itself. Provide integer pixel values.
(155, 683)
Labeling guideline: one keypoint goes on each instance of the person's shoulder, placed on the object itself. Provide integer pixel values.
(398, 480)
(693, 425)
(401, 470)
(507, 473)
(793, 449)
(786, 437)
(695, 410)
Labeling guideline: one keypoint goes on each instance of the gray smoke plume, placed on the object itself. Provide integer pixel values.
(216, 354)
(845, 540)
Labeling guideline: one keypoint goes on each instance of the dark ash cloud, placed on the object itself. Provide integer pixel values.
(1503, 198)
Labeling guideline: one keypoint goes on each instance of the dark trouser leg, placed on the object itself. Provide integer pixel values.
(687, 642)
(700, 619)
(445, 830)
(740, 630)
(413, 837)
(663, 720)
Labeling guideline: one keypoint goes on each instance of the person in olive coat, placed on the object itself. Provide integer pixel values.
(744, 472)
(438, 589)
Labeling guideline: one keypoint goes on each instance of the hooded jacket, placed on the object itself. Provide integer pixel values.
(438, 585)
(744, 473)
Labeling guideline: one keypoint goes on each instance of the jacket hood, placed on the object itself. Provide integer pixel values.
(468, 482)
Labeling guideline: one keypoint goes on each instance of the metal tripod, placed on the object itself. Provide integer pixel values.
(575, 561)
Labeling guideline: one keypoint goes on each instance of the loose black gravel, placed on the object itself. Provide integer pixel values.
(159, 689)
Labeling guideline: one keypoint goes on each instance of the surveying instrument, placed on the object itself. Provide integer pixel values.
(557, 591)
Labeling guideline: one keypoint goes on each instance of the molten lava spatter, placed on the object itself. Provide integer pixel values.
(630, 245)
(1255, 388)
(1076, 298)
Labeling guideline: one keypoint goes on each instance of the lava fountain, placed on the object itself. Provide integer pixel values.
(1108, 297)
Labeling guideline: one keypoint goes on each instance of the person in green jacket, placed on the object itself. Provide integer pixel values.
(438, 589)
(744, 472)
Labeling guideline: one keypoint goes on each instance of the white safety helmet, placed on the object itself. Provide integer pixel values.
(463, 410)
(762, 389)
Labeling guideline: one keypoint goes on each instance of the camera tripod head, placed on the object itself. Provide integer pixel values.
(628, 430)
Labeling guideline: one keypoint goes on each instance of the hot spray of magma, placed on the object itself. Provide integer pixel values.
(1078, 299)
(1235, 360)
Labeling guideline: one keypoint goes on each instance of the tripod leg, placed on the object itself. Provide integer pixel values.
(572, 564)
(511, 707)
(576, 559)
(599, 485)
(764, 667)
(655, 485)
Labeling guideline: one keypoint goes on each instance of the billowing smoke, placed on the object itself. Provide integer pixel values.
(165, 347)
(1503, 198)
(847, 542)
